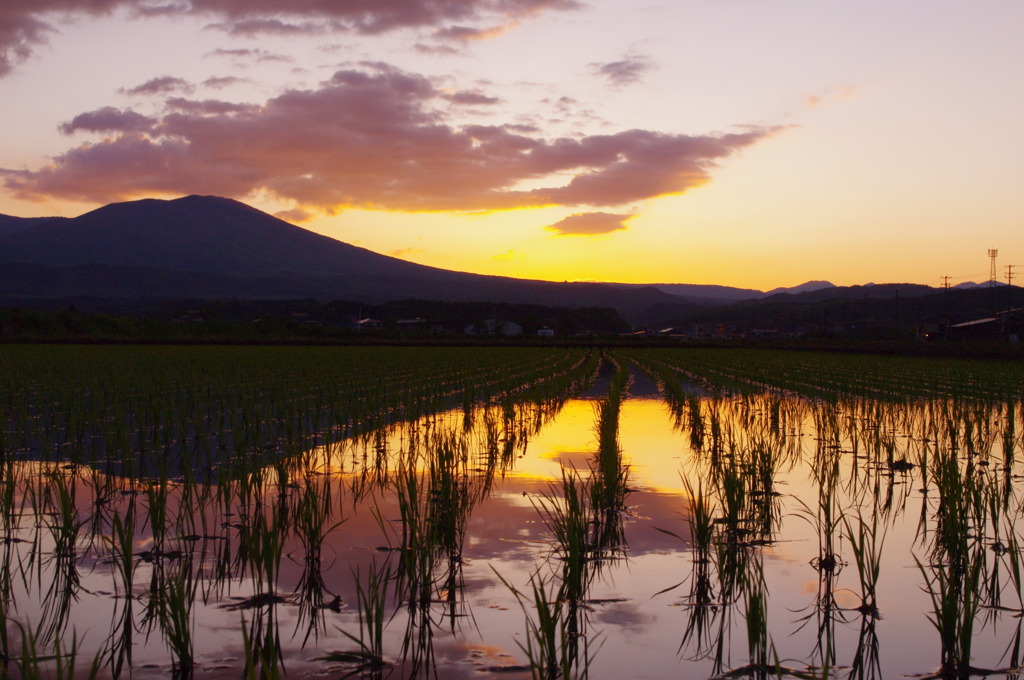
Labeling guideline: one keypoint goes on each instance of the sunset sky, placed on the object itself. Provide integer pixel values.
(747, 143)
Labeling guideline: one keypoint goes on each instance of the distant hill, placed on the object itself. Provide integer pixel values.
(12, 225)
(872, 291)
(210, 247)
(809, 287)
(712, 295)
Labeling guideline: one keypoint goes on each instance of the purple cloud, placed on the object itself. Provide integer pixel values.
(375, 138)
(20, 33)
(108, 119)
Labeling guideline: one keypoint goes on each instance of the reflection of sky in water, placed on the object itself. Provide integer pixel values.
(636, 621)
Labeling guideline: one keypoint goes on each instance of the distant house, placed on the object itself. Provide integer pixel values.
(494, 327)
(1008, 325)
(546, 332)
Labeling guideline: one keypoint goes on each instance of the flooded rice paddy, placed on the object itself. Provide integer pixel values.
(522, 512)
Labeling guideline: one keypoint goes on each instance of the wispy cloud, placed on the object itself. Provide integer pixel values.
(465, 34)
(375, 138)
(160, 86)
(590, 224)
(221, 82)
(838, 92)
(243, 55)
(626, 71)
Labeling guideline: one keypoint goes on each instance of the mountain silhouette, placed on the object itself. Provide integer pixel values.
(211, 247)
(197, 234)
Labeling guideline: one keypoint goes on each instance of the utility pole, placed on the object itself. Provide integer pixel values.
(1009, 287)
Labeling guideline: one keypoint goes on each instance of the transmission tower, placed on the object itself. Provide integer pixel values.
(992, 252)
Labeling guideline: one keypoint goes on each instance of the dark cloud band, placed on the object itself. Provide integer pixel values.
(24, 24)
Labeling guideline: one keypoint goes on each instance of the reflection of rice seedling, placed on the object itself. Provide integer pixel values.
(261, 541)
(122, 543)
(157, 496)
(371, 605)
(732, 499)
(866, 546)
(701, 521)
(955, 597)
(552, 644)
(310, 522)
(261, 645)
(866, 664)
(762, 659)
(759, 645)
(957, 508)
(700, 600)
(696, 424)
(64, 526)
(567, 516)
(34, 664)
(826, 517)
(176, 618)
(764, 459)
(64, 523)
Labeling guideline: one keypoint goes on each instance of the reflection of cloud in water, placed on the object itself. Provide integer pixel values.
(578, 460)
(628, 617)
